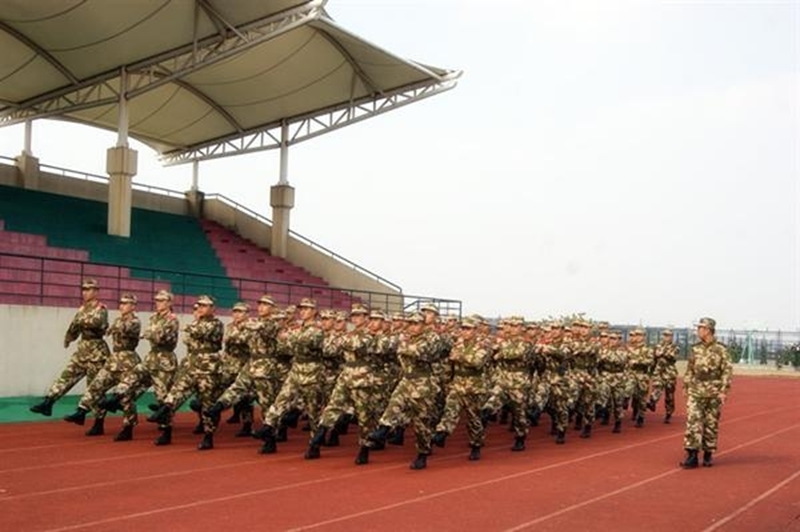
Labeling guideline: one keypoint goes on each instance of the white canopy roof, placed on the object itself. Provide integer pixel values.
(203, 78)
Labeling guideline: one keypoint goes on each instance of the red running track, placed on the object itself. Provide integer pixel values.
(52, 478)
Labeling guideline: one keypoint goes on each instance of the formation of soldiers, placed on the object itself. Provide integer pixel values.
(381, 373)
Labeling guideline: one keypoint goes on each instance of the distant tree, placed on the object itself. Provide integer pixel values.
(735, 349)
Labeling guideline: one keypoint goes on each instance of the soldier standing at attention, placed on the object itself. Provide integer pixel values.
(202, 375)
(665, 375)
(124, 333)
(89, 324)
(706, 384)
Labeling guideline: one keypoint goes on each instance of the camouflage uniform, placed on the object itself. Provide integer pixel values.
(640, 363)
(235, 357)
(512, 378)
(203, 372)
(708, 376)
(159, 367)
(304, 383)
(89, 324)
(561, 391)
(125, 337)
(468, 389)
(612, 363)
(414, 396)
(665, 375)
(583, 352)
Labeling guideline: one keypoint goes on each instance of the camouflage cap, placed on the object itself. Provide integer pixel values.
(341, 315)
(416, 317)
(279, 315)
(241, 306)
(307, 302)
(710, 323)
(327, 314)
(163, 295)
(468, 323)
(451, 318)
(89, 284)
(290, 309)
(638, 331)
(398, 316)
(376, 314)
(358, 308)
(667, 332)
(205, 300)
(267, 300)
(515, 320)
(127, 297)
(429, 306)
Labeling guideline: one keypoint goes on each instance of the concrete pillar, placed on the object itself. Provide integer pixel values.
(195, 199)
(28, 171)
(121, 165)
(281, 198)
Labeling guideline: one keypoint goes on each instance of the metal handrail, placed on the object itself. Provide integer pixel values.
(192, 282)
(308, 242)
(99, 178)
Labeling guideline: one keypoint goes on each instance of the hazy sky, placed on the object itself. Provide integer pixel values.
(633, 160)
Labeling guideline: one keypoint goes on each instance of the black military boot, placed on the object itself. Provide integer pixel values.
(44, 408)
(398, 436)
(97, 427)
(690, 462)
(161, 415)
(207, 443)
(333, 438)
(486, 415)
(587, 431)
(215, 410)
(195, 405)
(291, 418)
(420, 462)
(126, 434)
(553, 429)
(199, 428)
(379, 435)
(708, 458)
(639, 421)
(438, 438)
(246, 430)
(651, 405)
(363, 455)
(578, 422)
(312, 453)
(534, 413)
(342, 426)
(626, 402)
(153, 407)
(112, 403)
(319, 437)
(474, 453)
(282, 434)
(505, 415)
(165, 438)
(605, 415)
(561, 437)
(78, 416)
(668, 419)
(236, 416)
(617, 426)
(519, 444)
(268, 437)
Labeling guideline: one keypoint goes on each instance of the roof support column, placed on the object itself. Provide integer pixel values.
(121, 165)
(281, 198)
(27, 164)
(193, 195)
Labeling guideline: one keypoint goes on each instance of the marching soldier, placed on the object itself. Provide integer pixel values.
(665, 375)
(640, 362)
(706, 384)
(89, 324)
(124, 333)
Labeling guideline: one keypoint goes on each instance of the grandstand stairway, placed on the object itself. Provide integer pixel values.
(258, 272)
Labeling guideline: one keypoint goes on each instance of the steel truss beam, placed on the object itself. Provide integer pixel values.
(305, 127)
(164, 68)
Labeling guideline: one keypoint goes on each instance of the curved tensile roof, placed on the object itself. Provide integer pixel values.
(204, 78)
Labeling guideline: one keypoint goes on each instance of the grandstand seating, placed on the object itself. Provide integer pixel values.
(164, 250)
(258, 272)
(48, 242)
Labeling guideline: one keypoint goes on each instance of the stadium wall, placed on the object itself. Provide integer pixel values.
(33, 355)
